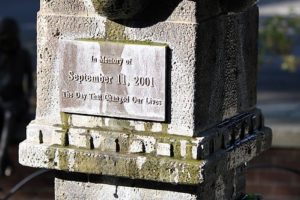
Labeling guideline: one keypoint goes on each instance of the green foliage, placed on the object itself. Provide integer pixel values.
(277, 38)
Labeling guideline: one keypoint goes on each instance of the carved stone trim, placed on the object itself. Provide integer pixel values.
(225, 147)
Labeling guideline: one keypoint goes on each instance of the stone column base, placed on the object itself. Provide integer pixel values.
(211, 166)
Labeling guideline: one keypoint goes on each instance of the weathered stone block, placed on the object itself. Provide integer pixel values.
(164, 149)
(137, 146)
(224, 36)
(69, 190)
(208, 128)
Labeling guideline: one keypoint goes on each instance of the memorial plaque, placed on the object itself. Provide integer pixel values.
(124, 80)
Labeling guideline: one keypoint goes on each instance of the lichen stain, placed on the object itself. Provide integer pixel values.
(114, 31)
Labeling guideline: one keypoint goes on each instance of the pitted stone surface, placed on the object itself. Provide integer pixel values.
(68, 190)
(212, 127)
(164, 149)
(184, 10)
(224, 36)
(109, 163)
(139, 155)
(137, 146)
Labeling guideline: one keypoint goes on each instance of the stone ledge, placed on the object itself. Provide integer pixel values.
(121, 141)
(131, 166)
(143, 166)
(144, 155)
(238, 154)
(226, 135)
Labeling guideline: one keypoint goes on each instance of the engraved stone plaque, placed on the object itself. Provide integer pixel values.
(114, 79)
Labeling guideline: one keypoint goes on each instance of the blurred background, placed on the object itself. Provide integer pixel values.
(25, 14)
(275, 174)
(41, 188)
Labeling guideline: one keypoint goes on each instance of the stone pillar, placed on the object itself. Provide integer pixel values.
(146, 99)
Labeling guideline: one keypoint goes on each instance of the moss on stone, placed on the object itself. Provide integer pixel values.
(135, 42)
(63, 159)
(130, 132)
(65, 120)
(136, 167)
(164, 128)
(177, 149)
(114, 31)
(50, 152)
(116, 9)
(148, 126)
(189, 148)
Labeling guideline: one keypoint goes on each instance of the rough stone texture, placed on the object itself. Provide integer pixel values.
(156, 157)
(229, 185)
(223, 60)
(70, 190)
(224, 187)
(212, 127)
(116, 9)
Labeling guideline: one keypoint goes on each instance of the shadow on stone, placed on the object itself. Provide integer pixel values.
(116, 181)
(156, 12)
